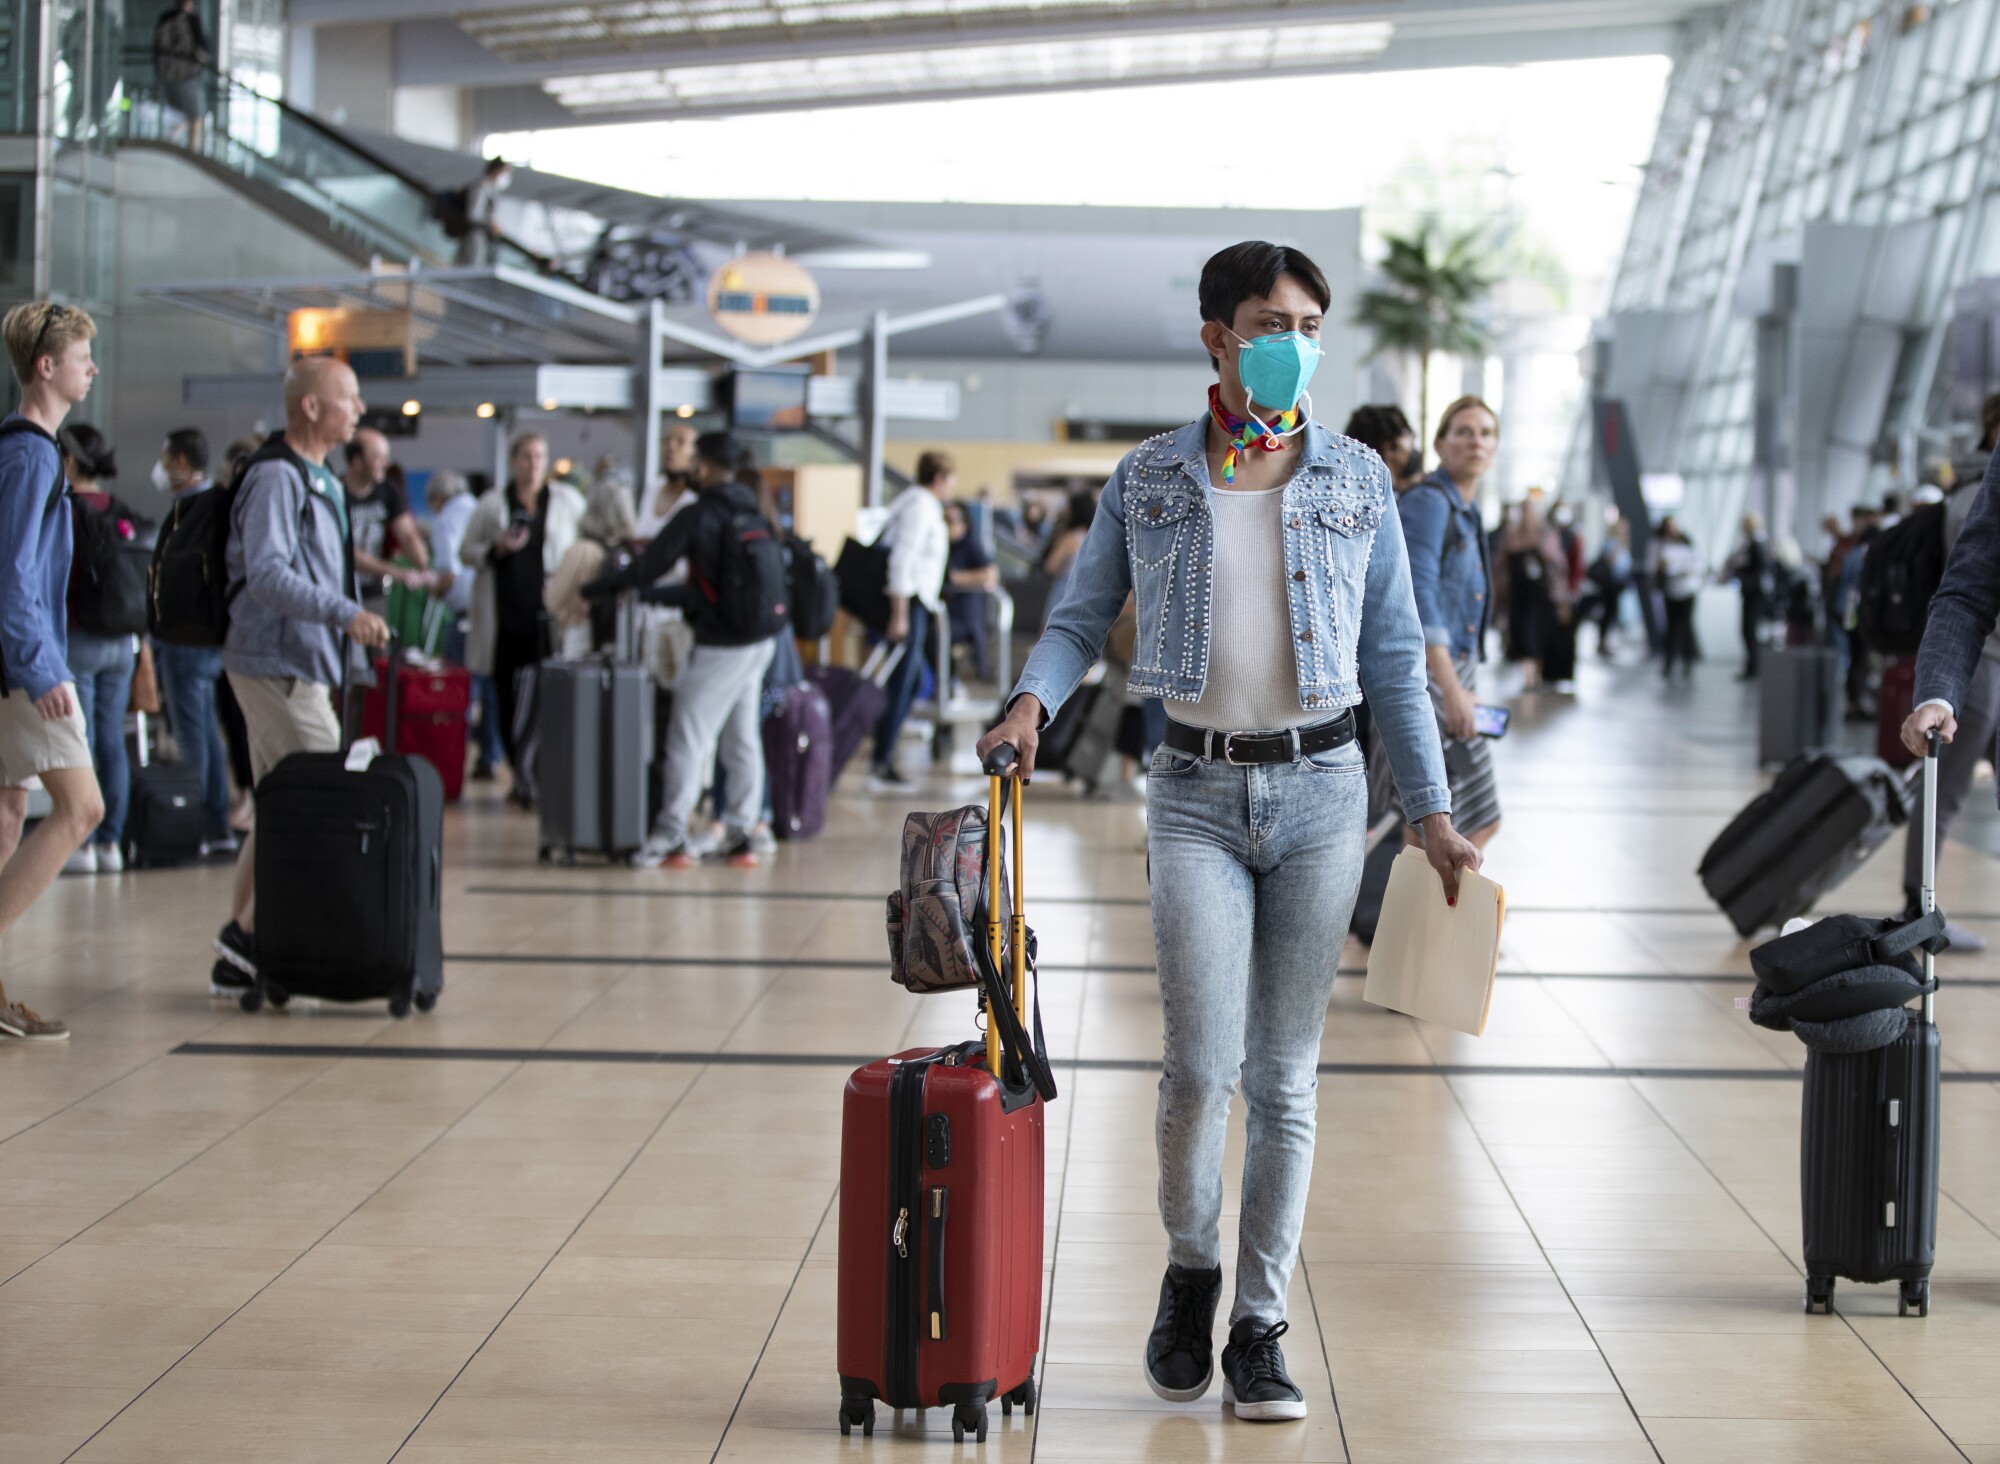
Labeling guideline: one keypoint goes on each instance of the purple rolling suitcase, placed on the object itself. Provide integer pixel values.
(856, 705)
(798, 759)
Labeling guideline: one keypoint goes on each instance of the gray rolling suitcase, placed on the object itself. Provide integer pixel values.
(1798, 703)
(596, 719)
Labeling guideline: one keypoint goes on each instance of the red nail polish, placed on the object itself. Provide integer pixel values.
(1451, 899)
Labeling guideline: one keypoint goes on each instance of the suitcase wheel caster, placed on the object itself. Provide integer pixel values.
(857, 1410)
(426, 1000)
(1023, 1395)
(968, 1418)
(277, 996)
(1914, 1298)
(545, 855)
(399, 1007)
(1819, 1296)
(251, 1000)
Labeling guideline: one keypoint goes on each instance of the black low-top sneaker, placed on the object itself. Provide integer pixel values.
(1254, 1380)
(226, 983)
(1180, 1355)
(238, 947)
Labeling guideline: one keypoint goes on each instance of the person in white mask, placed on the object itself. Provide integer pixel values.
(188, 673)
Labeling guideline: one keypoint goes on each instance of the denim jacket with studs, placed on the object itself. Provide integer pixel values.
(1353, 618)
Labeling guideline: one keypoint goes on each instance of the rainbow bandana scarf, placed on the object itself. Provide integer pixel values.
(1242, 433)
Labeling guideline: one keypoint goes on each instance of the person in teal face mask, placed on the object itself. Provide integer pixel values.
(1264, 558)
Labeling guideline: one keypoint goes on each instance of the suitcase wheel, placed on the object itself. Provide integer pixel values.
(426, 1000)
(968, 1418)
(545, 855)
(1023, 1395)
(277, 996)
(857, 1410)
(399, 1007)
(1915, 1298)
(251, 1000)
(1819, 1295)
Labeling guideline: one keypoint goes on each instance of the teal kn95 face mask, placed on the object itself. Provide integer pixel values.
(1275, 368)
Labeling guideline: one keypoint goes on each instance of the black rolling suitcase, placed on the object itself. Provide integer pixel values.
(350, 878)
(1821, 818)
(1868, 1144)
(163, 813)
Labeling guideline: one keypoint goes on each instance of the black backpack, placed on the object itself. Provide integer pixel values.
(1901, 570)
(189, 593)
(109, 568)
(745, 584)
(815, 591)
(452, 208)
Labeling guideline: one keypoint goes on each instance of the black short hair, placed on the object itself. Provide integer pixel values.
(719, 449)
(1379, 425)
(190, 445)
(1250, 270)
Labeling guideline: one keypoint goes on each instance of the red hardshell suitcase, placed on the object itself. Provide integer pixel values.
(1899, 699)
(941, 1206)
(432, 706)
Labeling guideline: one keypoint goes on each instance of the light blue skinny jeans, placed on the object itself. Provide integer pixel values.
(1254, 875)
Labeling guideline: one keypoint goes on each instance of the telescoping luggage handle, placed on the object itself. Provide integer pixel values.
(1929, 898)
(1008, 1003)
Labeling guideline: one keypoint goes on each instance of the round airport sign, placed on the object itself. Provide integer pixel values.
(763, 299)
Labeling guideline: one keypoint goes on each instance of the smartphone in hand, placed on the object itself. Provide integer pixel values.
(1490, 721)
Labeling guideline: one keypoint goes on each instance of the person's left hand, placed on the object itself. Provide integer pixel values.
(1448, 851)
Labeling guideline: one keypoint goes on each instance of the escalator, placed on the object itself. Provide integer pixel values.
(304, 171)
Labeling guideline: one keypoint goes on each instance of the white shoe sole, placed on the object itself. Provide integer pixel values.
(1281, 1411)
(1177, 1395)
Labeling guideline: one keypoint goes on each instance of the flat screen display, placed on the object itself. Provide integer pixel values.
(767, 400)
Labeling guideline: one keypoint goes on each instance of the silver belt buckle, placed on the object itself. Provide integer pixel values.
(1228, 751)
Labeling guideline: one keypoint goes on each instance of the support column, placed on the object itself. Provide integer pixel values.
(646, 392)
(874, 421)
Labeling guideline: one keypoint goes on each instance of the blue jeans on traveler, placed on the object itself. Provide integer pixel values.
(1254, 874)
(904, 683)
(102, 666)
(187, 684)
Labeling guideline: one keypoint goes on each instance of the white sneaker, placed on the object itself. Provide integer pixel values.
(762, 840)
(83, 861)
(707, 842)
(110, 859)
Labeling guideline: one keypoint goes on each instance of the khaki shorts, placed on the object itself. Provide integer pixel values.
(30, 746)
(284, 715)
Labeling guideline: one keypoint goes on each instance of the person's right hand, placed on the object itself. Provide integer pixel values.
(513, 541)
(1460, 718)
(369, 630)
(56, 703)
(1920, 722)
(1020, 730)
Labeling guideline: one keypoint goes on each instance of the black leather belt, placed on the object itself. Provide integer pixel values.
(1241, 748)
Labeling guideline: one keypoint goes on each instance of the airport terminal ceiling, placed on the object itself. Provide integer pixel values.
(551, 66)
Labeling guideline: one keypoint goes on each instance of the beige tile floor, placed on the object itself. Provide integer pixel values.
(1573, 1239)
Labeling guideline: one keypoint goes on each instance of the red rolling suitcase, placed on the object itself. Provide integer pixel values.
(941, 1198)
(1898, 699)
(432, 706)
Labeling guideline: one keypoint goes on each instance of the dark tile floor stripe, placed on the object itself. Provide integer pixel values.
(849, 1060)
(619, 892)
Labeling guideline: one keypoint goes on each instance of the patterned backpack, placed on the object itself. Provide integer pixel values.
(937, 920)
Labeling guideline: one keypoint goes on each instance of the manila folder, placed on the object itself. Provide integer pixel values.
(1432, 960)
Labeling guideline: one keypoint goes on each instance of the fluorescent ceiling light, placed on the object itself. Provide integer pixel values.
(963, 70)
(651, 25)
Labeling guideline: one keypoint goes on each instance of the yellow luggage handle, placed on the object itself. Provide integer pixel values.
(1012, 947)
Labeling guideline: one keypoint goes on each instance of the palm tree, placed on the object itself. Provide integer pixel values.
(1433, 287)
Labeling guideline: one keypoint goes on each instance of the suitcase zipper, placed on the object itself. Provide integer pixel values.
(906, 1123)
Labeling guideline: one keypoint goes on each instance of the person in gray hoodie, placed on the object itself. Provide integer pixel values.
(297, 608)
